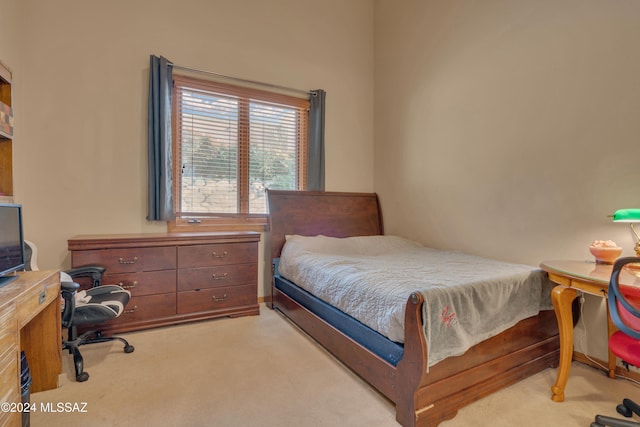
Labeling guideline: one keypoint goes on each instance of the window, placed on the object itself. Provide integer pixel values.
(230, 144)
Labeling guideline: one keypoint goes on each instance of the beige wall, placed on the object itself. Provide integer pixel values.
(81, 87)
(10, 42)
(507, 128)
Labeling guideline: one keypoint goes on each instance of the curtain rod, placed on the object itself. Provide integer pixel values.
(195, 70)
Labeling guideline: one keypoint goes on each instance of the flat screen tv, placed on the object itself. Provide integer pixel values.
(11, 242)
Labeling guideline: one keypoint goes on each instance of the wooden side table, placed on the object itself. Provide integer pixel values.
(571, 277)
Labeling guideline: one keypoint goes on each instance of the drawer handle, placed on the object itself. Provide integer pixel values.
(133, 310)
(224, 276)
(224, 254)
(132, 285)
(216, 299)
(132, 261)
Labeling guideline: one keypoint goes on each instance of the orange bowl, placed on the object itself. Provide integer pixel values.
(605, 255)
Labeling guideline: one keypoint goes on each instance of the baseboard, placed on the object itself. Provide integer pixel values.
(600, 364)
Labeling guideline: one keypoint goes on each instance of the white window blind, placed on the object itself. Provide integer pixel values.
(232, 143)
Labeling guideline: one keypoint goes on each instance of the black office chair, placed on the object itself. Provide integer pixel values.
(624, 308)
(89, 307)
(92, 306)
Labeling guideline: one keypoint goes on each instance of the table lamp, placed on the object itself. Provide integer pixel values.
(631, 216)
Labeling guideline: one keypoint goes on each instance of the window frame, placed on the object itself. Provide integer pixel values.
(241, 220)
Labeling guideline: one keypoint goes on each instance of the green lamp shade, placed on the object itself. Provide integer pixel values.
(627, 215)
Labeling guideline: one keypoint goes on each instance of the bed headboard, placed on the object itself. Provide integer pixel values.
(310, 213)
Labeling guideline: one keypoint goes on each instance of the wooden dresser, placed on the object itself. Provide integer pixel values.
(29, 321)
(175, 277)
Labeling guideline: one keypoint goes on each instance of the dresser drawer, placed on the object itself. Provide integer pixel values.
(147, 307)
(128, 259)
(8, 327)
(215, 277)
(217, 298)
(144, 283)
(9, 376)
(10, 418)
(217, 254)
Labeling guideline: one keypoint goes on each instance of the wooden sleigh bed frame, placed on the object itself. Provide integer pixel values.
(421, 398)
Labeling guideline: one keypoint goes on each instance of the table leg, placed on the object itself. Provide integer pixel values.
(562, 299)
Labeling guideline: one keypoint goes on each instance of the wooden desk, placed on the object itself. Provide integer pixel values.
(29, 321)
(571, 277)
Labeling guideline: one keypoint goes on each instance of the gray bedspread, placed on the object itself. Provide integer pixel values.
(468, 298)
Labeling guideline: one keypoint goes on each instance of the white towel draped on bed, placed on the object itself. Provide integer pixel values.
(468, 298)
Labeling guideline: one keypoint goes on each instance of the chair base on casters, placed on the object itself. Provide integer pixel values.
(89, 337)
(627, 408)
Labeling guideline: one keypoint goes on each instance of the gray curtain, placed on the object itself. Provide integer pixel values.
(160, 206)
(315, 161)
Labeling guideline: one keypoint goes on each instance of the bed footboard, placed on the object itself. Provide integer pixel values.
(426, 399)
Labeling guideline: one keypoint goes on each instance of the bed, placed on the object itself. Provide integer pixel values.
(425, 391)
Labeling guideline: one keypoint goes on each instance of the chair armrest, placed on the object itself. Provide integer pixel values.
(68, 291)
(69, 286)
(93, 271)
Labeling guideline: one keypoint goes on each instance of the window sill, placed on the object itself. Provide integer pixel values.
(219, 224)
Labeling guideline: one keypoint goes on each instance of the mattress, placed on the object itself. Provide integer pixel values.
(467, 298)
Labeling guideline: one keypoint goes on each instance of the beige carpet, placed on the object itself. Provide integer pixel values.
(262, 371)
